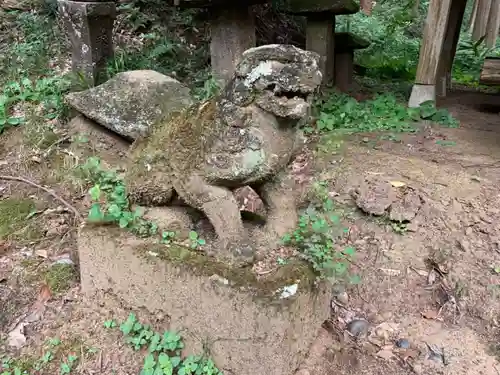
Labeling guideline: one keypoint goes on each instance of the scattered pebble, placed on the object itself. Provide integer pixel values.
(382, 333)
(403, 343)
(342, 298)
(417, 368)
(358, 327)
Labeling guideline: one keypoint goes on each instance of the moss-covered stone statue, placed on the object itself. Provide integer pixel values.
(245, 136)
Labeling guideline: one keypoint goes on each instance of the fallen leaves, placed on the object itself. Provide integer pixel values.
(16, 337)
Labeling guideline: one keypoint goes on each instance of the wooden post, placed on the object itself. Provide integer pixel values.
(430, 52)
(450, 46)
(481, 21)
(493, 24)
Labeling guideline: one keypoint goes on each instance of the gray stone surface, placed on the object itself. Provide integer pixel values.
(131, 101)
(251, 327)
(421, 94)
(89, 26)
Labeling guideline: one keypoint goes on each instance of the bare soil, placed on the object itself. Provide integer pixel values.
(430, 280)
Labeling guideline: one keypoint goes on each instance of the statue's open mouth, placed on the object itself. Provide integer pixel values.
(285, 94)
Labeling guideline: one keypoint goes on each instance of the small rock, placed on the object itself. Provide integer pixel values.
(407, 208)
(219, 279)
(340, 295)
(249, 201)
(288, 291)
(342, 298)
(382, 333)
(374, 196)
(417, 368)
(403, 343)
(358, 327)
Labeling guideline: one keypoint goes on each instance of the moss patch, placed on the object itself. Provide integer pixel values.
(13, 213)
(201, 265)
(60, 277)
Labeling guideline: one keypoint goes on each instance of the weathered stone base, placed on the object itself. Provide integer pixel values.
(420, 94)
(249, 325)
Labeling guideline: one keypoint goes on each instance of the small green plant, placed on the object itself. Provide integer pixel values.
(29, 365)
(110, 323)
(167, 237)
(315, 236)
(399, 228)
(281, 261)
(46, 91)
(341, 112)
(164, 351)
(195, 240)
(68, 364)
(111, 204)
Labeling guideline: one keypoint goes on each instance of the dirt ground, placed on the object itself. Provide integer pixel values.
(431, 281)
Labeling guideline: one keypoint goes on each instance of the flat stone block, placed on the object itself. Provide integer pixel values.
(310, 7)
(252, 326)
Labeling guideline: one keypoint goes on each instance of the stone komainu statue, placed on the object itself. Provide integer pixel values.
(246, 135)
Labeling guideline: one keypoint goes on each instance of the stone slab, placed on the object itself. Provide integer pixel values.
(253, 326)
(327, 7)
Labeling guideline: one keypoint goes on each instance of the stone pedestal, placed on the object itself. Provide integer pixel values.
(249, 326)
(89, 26)
(232, 32)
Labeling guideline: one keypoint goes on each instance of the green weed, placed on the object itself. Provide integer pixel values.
(47, 92)
(195, 240)
(341, 112)
(164, 351)
(31, 366)
(315, 237)
(111, 204)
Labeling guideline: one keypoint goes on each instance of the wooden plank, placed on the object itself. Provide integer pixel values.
(433, 40)
(490, 74)
(483, 12)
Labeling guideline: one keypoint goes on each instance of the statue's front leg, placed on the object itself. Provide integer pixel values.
(221, 208)
(278, 195)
